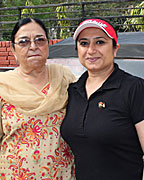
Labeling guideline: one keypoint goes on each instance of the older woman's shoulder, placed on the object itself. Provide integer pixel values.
(60, 70)
(8, 73)
(55, 66)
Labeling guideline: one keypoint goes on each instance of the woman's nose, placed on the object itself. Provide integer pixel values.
(32, 45)
(92, 48)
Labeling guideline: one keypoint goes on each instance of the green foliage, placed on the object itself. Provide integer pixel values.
(64, 32)
(12, 3)
(28, 12)
(135, 20)
(51, 15)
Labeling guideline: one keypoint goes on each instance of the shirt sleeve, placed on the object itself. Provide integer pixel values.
(136, 99)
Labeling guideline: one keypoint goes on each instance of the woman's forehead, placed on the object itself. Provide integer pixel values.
(29, 29)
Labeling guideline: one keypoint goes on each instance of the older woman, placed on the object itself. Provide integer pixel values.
(105, 113)
(33, 100)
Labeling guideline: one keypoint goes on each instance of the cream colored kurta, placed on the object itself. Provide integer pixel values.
(31, 145)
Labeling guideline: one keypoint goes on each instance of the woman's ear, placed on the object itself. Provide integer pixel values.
(12, 47)
(116, 49)
(13, 51)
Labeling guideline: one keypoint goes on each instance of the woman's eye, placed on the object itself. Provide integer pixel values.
(40, 39)
(100, 42)
(83, 43)
(23, 41)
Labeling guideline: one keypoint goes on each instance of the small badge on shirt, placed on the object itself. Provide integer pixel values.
(101, 104)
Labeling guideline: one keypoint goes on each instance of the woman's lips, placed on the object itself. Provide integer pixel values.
(33, 55)
(94, 59)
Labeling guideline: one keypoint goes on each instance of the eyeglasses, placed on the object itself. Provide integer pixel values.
(39, 41)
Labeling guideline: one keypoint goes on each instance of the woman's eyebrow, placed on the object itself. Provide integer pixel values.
(26, 37)
(39, 35)
(99, 37)
(23, 37)
(83, 39)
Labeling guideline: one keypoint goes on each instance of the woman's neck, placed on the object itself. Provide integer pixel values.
(96, 80)
(37, 77)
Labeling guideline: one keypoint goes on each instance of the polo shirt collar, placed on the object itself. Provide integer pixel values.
(113, 81)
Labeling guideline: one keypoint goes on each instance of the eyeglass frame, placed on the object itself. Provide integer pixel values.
(29, 42)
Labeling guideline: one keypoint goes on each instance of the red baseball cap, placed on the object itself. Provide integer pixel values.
(99, 23)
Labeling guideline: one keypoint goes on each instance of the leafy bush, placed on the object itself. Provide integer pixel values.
(136, 22)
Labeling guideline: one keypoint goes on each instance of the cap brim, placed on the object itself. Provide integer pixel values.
(88, 25)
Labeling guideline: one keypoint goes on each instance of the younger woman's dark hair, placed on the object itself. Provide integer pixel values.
(24, 21)
(114, 43)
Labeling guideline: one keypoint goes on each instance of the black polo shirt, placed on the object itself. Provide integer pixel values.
(101, 130)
